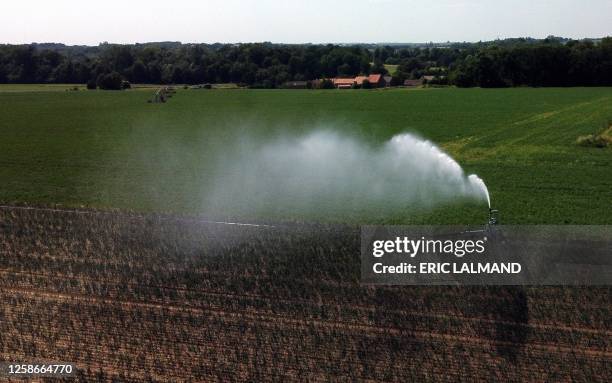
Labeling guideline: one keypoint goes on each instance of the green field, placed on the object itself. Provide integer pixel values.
(114, 150)
(39, 87)
(391, 68)
(59, 87)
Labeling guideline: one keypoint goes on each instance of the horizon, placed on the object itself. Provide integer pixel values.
(344, 43)
(296, 22)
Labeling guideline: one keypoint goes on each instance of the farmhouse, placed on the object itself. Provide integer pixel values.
(418, 82)
(359, 80)
(375, 80)
(343, 83)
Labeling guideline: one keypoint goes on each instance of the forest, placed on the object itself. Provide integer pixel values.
(502, 63)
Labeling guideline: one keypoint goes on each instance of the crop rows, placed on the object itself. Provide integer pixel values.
(165, 298)
(184, 331)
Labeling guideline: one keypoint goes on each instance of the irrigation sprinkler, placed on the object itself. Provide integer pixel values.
(493, 217)
(489, 227)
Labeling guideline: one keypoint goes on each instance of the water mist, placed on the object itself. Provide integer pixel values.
(327, 170)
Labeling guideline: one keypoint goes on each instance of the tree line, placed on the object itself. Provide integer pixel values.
(512, 62)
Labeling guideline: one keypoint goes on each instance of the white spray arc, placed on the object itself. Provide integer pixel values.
(443, 165)
(326, 170)
(474, 179)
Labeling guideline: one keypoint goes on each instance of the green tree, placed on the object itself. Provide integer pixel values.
(110, 81)
(379, 68)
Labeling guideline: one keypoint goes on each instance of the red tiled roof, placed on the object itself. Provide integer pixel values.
(374, 78)
(344, 81)
(359, 79)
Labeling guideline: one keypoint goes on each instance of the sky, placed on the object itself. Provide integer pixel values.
(293, 21)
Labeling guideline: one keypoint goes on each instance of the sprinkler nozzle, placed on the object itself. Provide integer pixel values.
(493, 214)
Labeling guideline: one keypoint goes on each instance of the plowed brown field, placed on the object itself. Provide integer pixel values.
(168, 298)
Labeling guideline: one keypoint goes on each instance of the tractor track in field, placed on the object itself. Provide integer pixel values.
(266, 318)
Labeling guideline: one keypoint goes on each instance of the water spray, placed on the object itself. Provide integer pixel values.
(482, 188)
(341, 173)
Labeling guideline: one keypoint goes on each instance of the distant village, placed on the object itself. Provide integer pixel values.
(359, 82)
(371, 81)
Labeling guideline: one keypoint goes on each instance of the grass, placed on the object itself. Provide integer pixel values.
(39, 87)
(113, 150)
(391, 68)
(60, 87)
